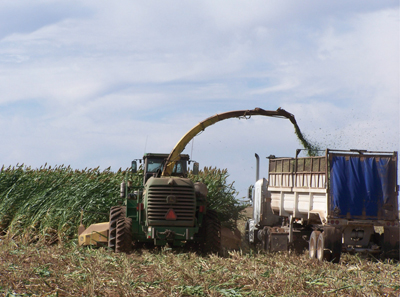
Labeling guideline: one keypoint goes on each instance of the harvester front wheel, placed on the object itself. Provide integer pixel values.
(116, 212)
(212, 228)
(123, 239)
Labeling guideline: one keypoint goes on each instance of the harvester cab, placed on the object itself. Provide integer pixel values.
(154, 165)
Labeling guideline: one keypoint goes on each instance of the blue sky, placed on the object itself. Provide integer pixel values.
(95, 83)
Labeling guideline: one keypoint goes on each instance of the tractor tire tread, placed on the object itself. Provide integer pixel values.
(123, 240)
(116, 212)
(212, 228)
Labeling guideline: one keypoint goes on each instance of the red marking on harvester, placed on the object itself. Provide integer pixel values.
(170, 215)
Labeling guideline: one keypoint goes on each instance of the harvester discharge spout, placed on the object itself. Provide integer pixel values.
(246, 114)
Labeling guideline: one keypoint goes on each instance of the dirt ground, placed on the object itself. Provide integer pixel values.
(232, 240)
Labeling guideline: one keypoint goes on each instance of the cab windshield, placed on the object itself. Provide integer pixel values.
(153, 165)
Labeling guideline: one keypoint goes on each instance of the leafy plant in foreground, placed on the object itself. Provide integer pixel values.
(47, 202)
(221, 195)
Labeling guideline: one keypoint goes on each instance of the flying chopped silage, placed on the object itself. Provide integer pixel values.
(312, 149)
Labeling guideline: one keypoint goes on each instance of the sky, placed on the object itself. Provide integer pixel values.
(100, 83)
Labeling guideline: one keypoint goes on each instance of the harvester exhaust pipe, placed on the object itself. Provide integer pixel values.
(257, 167)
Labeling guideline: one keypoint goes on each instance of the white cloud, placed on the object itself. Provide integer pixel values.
(285, 85)
(110, 80)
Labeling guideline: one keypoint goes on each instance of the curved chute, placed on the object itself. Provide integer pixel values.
(174, 156)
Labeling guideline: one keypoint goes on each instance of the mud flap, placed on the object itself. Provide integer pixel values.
(390, 247)
(275, 239)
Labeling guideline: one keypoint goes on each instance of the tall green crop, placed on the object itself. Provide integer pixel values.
(47, 202)
(221, 195)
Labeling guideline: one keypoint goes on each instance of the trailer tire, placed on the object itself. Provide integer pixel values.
(312, 244)
(245, 244)
(335, 257)
(116, 212)
(323, 254)
(123, 239)
(246, 233)
(390, 243)
(212, 233)
(334, 243)
(266, 242)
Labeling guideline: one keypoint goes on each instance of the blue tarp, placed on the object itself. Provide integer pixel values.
(358, 185)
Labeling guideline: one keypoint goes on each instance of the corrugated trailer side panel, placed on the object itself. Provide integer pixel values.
(298, 187)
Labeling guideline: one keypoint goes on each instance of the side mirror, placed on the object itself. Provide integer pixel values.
(250, 193)
(134, 167)
(196, 168)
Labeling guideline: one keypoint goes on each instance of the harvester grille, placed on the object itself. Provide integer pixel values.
(184, 205)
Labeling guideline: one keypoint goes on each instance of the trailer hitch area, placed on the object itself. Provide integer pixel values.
(357, 234)
(169, 234)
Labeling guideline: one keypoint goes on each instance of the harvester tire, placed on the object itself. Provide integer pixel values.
(212, 236)
(116, 212)
(123, 239)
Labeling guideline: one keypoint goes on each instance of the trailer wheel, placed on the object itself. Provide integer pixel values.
(116, 212)
(266, 239)
(123, 239)
(390, 243)
(335, 257)
(312, 244)
(336, 250)
(246, 244)
(246, 233)
(212, 236)
(323, 254)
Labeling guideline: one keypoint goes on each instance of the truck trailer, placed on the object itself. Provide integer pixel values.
(343, 201)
